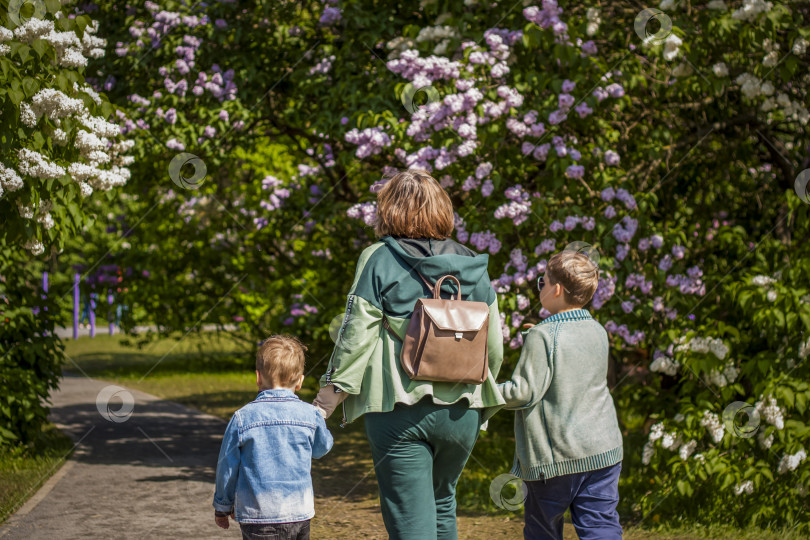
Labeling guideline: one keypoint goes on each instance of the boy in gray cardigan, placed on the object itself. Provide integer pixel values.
(568, 443)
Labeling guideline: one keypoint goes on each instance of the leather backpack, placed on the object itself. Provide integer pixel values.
(446, 340)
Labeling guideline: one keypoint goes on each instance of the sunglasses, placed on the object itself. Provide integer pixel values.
(541, 283)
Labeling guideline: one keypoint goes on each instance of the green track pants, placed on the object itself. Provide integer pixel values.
(419, 452)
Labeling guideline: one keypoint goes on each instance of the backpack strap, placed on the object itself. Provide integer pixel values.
(387, 326)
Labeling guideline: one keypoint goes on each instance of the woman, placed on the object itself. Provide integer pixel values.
(421, 433)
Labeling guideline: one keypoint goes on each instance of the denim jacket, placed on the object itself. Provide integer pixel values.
(263, 470)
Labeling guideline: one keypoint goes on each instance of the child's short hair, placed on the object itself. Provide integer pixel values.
(280, 360)
(576, 272)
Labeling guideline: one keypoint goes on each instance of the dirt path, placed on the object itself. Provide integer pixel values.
(152, 476)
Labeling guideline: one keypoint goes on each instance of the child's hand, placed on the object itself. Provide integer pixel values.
(527, 325)
(222, 521)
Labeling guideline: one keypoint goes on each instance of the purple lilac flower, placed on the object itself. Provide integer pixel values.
(678, 251)
(665, 264)
(575, 171)
(611, 158)
(583, 110)
(545, 246)
(589, 48)
(557, 117)
(568, 86)
(657, 241)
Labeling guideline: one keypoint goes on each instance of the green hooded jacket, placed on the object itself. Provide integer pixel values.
(365, 362)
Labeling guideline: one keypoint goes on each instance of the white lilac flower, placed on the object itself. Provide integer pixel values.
(46, 220)
(9, 179)
(751, 9)
(99, 125)
(56, 104)
(26, 211)
(790, 462)
(436, 33)
(27, 115)
(682, 70)
(744, 487)
(749, 85)
(33, 29)
(772, 295)
(664, 364)
(593, 21)
(671, 44)
(85, 189)
(771, 412)
(35, 164)
(720, 69)
(5, 34)
(687, 449)
(762, 281)
(765, 442)
(705, 345)
(647, 453)
(769, 45)
(770, 59)
(717, 378)
(34, 246)
(87, 89)
(657, 431)
(671, 441)
(59, 136)
(712, 423)
(799, 46)
(730, 373)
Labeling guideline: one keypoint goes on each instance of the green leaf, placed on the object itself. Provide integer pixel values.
(30, 86)
(16, 96)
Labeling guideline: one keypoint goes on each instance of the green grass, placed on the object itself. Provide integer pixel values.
(24, 469)
(216, 375)
(209, 373)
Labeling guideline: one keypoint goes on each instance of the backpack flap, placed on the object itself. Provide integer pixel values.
(456, 316)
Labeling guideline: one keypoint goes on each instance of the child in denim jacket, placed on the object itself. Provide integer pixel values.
(263, 471)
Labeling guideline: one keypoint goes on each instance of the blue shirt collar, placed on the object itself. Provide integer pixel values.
(276, 393)
(573, 315)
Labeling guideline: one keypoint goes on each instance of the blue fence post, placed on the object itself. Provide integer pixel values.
(76, 301)
(110, 302)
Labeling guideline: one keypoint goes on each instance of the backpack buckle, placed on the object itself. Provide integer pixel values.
(459, 335)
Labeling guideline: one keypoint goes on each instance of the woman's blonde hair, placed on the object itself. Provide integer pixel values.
(413, 204)
(576, 272)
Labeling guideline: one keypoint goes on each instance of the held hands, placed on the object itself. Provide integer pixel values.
(222, 521)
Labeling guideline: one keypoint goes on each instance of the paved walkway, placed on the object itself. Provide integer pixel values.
(148, 476)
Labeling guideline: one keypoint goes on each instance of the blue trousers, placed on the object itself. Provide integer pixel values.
(592, 497)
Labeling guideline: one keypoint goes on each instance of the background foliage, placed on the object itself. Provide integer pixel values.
(674, 154)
